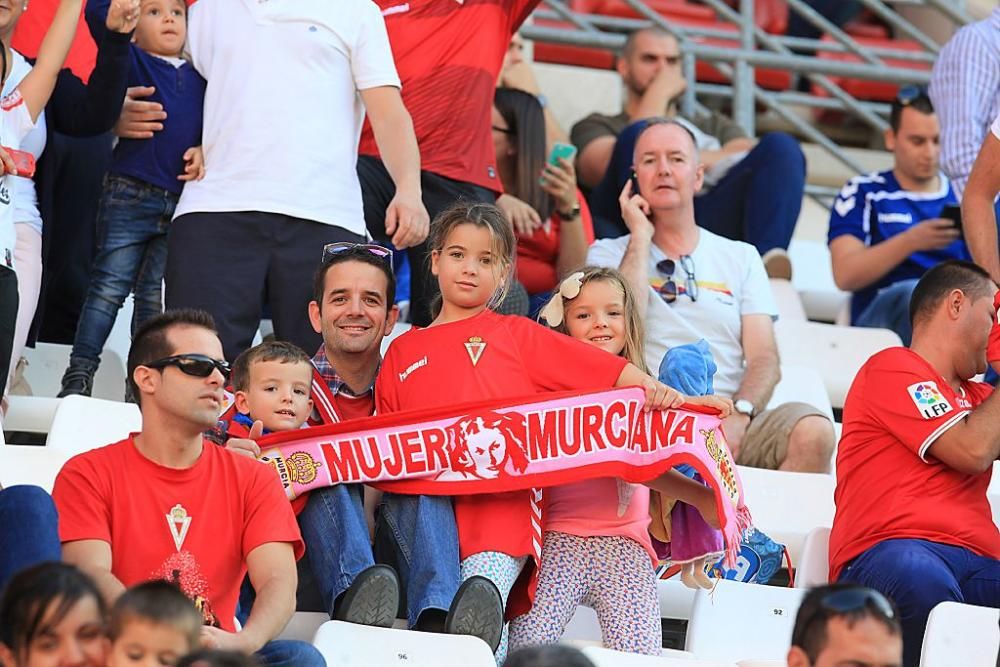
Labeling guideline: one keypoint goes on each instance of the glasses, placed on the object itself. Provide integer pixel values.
(196, 365)
(333, 249)
(907, 95)
(669, 290)
(843, 602)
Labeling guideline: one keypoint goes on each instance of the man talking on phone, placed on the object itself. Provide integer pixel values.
(887, 228)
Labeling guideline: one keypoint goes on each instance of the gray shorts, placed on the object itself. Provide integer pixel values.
(765, 444)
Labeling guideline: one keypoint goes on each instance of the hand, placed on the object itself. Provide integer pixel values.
(248, 446)
(7, 165)
(521, 77)
(670, 83)
(723, 405)
(194, 165)
(523, 217)
(635, 212)
(214, 638)
(407, 220)
(659, 396)
(138, 119)
(123, 15)
(932, 234)
(560, 182)
(735, 427)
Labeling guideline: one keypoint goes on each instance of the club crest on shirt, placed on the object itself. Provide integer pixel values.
(475, 346)
(179, 522)
(929, 400)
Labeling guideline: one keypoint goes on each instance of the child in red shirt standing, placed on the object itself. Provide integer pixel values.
(471, 353)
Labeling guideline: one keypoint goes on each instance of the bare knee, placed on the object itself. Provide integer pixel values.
(810, 445)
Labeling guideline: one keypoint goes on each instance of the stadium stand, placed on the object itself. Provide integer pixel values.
(961, 634)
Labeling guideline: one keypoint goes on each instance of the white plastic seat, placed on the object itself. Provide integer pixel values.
(788, 300)
(836, 352)
(47, 362)
(81, 424)
(813, 279)
(604, 657)
(737, 621)
(350, 645)
(961, 634)
(813, 569)
(30, 414)
(303, 625)
(29, 464)
(803, 384)
(788, 505)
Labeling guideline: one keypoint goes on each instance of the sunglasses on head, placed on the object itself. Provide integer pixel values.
(197, 365)
(669, 289)
(847, 601)
(909, 94)
(341, 248)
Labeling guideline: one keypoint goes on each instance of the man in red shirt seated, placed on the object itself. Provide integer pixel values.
(915, 460)
(166, 504)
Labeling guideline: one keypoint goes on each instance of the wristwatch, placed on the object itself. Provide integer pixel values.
(572, 215)
(744, 407)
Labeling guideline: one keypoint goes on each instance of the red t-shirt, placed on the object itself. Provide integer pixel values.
(537, 254)
(887, 486)
(993, 347)
(448, 55)
(483, 357)
(194, 526)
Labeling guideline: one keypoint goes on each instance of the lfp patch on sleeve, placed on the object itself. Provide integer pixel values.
(929, 400)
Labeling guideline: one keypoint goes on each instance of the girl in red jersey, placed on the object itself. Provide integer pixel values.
(471, 353)
(596, 550)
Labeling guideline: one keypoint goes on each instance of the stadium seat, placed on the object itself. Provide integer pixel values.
(801, 383)
(737, 621)
(30, 464)
(813, 279)
(813, 569)
(30, 414)
(350, 645)
(788, 300)
(303, 625)
(836, 352)
(961, 634)
(604, 657)
(82, 423)
(864, 89)
(787, 506)
(48, 361)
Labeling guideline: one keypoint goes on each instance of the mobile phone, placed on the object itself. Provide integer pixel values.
(24, 161)
(635, 183)
(953, 212)
(560, 150)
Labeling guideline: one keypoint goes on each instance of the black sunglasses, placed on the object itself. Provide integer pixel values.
(842, 602)
(343, 247)
(669, 290)
(197, 365)
(907, 95)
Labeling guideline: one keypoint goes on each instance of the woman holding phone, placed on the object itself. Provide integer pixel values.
(541, 200)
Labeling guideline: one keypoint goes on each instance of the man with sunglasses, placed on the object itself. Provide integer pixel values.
(692, 284)
(887, 228)
(914, 463)
(167, 504)
(840, 625)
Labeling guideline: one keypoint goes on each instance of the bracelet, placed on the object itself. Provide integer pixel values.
(572, 215)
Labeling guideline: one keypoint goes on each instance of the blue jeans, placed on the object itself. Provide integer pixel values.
(757, 201)
(917, 575)
(336, 536)
(290, 653)
(28, 530)
(132, 224)
(890, 309)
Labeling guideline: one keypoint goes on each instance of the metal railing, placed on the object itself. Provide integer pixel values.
(754, 48)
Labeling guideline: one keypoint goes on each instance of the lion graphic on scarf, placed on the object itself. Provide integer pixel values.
(486, 445)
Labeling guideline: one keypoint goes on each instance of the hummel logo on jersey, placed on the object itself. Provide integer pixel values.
(412, 367)
(928, 399)
(844, 206)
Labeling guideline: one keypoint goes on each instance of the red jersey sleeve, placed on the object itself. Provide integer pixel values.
(82, 499)
(557, 362)
(269, 516)
(993, 348)
(909, 399)
(518, 11)
(386, 396)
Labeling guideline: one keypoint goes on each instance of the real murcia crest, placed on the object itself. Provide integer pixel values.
(179, 522)
(475, 346)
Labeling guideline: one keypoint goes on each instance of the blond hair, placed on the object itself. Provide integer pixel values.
(635, 348)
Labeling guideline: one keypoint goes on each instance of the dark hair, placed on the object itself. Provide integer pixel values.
(809, 633)
(213, 658)
(526, 120)
(355, 255)
(272, 350)
(939, 281)
(551, 655)
(33, 593)
(150, 343)
(921, 102)
(629, 47)
(158, 602)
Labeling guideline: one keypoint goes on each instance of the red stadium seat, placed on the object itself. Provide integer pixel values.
(869, 89)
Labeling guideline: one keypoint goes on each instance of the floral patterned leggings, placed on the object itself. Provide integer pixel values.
(502, 570)
(611, 575)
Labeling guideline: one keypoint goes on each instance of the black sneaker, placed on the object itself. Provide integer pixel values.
(77, 380)
(477, 610)
(372, 599)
